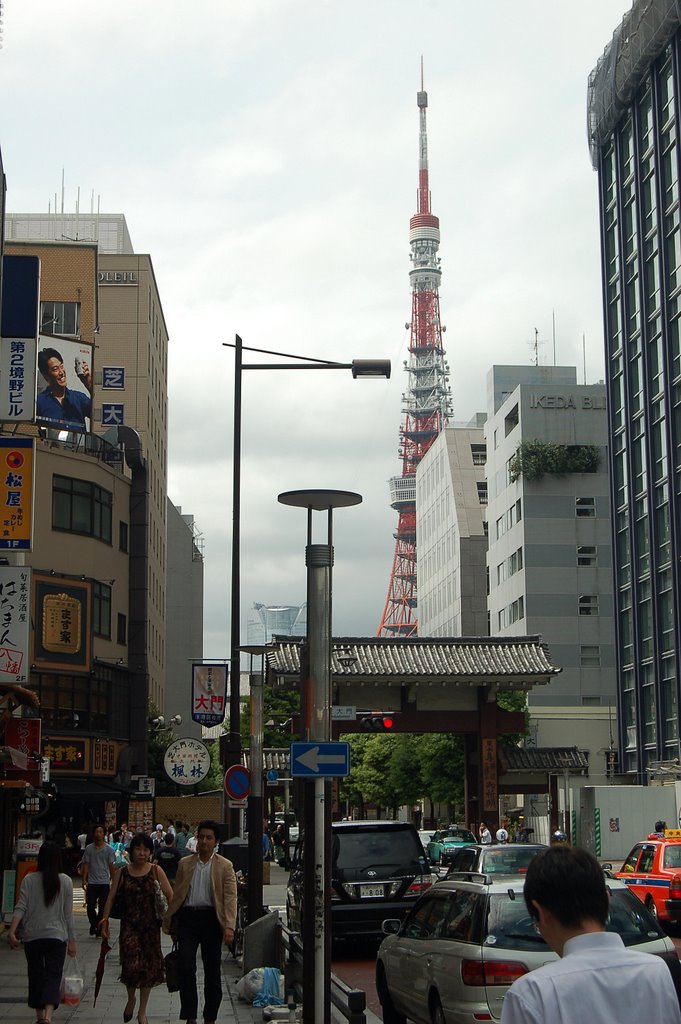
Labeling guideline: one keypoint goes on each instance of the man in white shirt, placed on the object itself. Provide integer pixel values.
(485, 834)
(204, 905)
(598, 979)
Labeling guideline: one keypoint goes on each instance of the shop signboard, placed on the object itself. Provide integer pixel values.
(209, 685)
(187, 761)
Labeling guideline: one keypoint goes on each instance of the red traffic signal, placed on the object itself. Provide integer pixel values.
(376, 723)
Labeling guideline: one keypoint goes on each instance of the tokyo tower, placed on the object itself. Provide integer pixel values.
(427, 401)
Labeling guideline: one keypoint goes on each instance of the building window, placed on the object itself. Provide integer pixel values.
(122, 536)
(591, 702)
(79, 506)
(122, 630)
(101, 609)
(60, 318)
(482, 492)
(514, 611)
(479, 453)
(585, 508)
(589, 656)
(587, 555)
(511, 421)
(588, 604)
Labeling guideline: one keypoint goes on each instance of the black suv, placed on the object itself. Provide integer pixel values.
(378, 870)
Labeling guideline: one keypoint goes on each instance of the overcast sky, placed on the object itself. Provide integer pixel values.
(265, 153)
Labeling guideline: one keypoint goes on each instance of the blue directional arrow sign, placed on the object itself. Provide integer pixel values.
(315, 760)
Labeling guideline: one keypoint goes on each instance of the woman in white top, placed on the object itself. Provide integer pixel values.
(43, 921)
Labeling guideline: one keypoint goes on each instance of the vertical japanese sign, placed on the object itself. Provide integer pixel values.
(16, 493)
(15, 620)
(24, 734)
(17, 379)
(18, 336)
(209, 684)
(490, 791)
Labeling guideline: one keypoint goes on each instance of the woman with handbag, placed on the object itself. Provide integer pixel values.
(139, 894)
(43, 920)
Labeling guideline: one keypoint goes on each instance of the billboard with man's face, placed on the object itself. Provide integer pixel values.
(64, 384)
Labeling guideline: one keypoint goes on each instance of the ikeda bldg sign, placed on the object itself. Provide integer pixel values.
(538, 401)
(128, 277)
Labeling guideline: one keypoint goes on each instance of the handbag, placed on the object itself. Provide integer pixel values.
(71, 982)
(118, 906)
(160, 900)
(172, 966)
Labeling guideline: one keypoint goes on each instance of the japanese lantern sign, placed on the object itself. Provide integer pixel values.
(209, 684)
(187, 761)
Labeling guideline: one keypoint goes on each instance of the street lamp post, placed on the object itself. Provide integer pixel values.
(317, 868)
(358, 368)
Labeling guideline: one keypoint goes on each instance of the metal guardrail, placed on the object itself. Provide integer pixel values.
(350, 1002)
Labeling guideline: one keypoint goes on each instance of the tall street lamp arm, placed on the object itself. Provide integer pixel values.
(359, 368)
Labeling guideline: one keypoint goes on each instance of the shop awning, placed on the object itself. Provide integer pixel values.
(90, 789)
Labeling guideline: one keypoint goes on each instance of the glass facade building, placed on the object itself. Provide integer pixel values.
(266, 621)
(634, 119)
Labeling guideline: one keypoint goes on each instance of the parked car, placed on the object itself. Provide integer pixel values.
(505, 859)
(425, 837)
(453, 836)
(454, 956)
(378, 870)
(652, 870)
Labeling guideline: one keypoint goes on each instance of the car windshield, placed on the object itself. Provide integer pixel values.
(672, 856)
(457, 834)
(509, 926)
(361, 848)
(504, 860)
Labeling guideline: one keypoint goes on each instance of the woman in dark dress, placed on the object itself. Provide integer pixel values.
(140, 937)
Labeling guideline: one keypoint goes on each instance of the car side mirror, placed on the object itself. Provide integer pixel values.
(391, 926)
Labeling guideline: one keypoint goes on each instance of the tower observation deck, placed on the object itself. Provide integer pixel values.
(426, 404)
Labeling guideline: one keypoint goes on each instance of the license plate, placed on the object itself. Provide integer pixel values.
(370, 890)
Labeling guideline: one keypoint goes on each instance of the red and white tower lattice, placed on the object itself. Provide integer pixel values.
(427, 401)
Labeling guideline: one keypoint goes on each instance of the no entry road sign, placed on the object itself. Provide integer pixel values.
(237, 782)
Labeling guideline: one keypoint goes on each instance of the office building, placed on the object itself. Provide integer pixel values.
(451, 535)
(634, 110)
(550, 554)
(184, 616)
(130, 358)
(265, 621)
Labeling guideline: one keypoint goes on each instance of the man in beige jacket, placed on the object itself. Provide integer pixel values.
(204, 907)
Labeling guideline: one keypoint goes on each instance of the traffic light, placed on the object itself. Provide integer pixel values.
(376, 723)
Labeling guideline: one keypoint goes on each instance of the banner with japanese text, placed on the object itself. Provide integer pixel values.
(15, 621)
(16, 493)
(209, 686)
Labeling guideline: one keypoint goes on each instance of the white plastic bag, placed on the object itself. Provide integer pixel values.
(248, 987)
(71, 982)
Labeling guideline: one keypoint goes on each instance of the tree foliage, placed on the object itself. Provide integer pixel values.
(279, 706)
(513, 700)
(533, 459)
(402, 768)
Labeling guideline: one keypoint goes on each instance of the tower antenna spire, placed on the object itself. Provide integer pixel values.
(426, 404)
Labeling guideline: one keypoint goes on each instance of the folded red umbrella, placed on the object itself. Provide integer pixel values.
(99, 972)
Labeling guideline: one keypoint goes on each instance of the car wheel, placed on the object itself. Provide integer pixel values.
(390, 1014)
(650, 904)
(437, 1014)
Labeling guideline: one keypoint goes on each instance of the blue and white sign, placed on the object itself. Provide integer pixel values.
(113, 378)
(317, 760)
(112, 414)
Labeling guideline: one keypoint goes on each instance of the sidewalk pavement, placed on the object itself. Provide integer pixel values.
(164, 1007)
